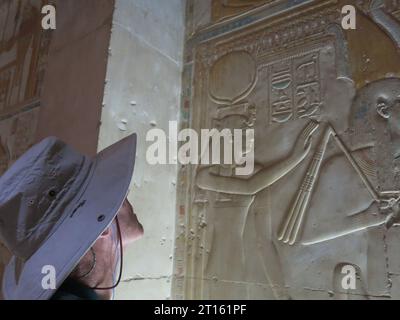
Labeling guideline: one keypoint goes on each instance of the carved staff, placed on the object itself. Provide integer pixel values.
(354, 164)
(291, 227)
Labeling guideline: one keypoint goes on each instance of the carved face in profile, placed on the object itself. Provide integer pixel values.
(375, 115)
(388, 107)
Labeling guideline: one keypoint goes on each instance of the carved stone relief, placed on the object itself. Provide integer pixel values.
(23, 55)
(225, 8)
(23, 51)
(325, 192)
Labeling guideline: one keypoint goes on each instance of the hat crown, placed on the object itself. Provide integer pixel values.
(34, 194)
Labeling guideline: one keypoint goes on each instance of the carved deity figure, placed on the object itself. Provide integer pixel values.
(373, 140)
(251, 186)
(356, 198)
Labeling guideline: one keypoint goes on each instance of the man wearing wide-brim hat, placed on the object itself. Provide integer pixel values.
(66, 219)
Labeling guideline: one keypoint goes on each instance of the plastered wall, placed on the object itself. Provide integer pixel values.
(143, 87)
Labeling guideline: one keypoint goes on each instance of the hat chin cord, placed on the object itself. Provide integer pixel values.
(94, 262)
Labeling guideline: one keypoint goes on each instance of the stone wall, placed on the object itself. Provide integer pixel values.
(143, 92)
(289, 71)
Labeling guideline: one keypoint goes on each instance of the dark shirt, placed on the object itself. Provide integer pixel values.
(73, 290)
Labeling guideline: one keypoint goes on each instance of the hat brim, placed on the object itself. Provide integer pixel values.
(105, 192)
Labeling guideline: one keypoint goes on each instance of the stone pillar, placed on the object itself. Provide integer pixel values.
(143, 86)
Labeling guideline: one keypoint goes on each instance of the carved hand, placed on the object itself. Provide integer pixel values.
(304, 141)
(389, 204)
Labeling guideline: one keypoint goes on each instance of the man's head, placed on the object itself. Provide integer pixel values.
(98, 267)
(55, 205)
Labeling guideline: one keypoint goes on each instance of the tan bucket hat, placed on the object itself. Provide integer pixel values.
(54, 204)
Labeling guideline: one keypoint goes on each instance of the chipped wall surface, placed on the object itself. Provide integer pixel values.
(289, 71)
(143, 88)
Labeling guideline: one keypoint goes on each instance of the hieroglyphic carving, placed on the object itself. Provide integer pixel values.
(23, 55)
(23, 51)
(294, 88)
(273, 38)
(334, 228)
(226, 8)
